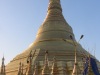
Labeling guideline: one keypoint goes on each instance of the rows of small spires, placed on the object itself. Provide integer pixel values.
(45, 71)
(29, 71)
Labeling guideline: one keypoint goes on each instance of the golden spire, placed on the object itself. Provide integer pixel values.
(19, 70)
(29, 68)
(36, 70)
(54, 67)
(2, 66)
(46, 70)
(54, 25)
(3, 71)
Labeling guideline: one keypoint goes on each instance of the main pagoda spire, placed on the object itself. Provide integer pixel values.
(54, 11)
(54, 25)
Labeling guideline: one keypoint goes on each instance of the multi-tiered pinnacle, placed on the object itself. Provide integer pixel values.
(54, 25)
(54, 4)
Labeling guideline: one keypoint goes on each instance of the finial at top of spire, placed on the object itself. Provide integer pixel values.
(3, 58)
(54, 4)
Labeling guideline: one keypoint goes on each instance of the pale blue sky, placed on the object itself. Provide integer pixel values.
(20, 20)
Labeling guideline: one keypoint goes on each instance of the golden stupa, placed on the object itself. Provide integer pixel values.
(53, 37)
